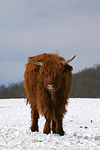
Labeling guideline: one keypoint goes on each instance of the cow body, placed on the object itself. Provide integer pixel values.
(47, 87)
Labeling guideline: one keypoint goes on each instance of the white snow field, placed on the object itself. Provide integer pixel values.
(81, 124)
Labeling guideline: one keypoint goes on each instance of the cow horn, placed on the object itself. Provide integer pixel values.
(69, 60)
(35, 62)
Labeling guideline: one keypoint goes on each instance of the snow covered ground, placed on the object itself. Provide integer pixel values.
(81, 124)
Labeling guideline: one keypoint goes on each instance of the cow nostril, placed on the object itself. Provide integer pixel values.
(51, 87)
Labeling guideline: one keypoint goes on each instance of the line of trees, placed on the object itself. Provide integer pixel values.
(85, 83)
(13, 91)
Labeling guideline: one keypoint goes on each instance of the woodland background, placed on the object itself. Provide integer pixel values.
(85, 84)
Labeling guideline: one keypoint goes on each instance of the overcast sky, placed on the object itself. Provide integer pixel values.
(31, 27)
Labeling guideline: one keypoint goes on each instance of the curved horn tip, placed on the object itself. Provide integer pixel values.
(29, 59)
(74, 56)
(67, 61)
(35, 62)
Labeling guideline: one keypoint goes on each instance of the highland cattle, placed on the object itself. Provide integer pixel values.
(47, 83)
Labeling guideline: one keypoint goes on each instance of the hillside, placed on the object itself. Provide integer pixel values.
(85, 83)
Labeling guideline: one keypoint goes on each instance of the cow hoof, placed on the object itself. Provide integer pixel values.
(46, 131)
(54, 132)
(34, 129)
(61, 133)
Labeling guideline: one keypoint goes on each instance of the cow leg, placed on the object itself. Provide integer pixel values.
(59, 128)
(34, 117)
(53, 126)
(47, 128)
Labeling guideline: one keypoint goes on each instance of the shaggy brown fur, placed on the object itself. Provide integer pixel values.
(51, 104)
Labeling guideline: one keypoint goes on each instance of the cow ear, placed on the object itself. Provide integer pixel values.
(68, 68)
(37, 68)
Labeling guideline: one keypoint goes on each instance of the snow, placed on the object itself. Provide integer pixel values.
(81, 124)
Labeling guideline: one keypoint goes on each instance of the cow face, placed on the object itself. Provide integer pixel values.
(52, 75)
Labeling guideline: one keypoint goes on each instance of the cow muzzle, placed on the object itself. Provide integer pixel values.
(51, 87)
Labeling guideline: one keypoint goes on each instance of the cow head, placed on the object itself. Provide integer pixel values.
(51, 72)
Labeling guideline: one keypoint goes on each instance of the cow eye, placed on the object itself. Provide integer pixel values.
(37, 69)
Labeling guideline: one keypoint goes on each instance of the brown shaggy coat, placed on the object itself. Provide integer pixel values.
(47, 88)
